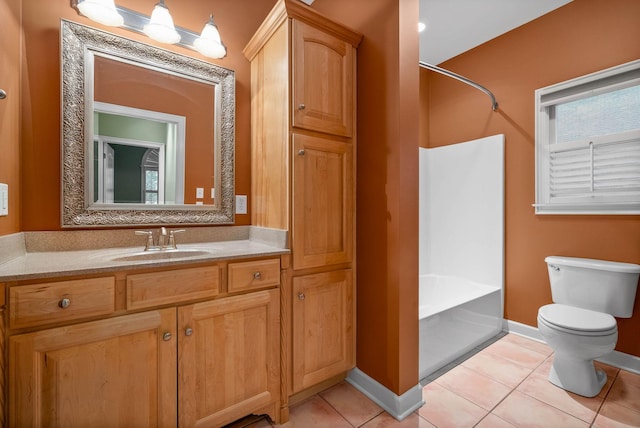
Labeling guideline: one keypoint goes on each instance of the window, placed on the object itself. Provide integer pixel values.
(588, 144)
(150, 184)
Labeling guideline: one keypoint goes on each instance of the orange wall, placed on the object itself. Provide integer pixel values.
(387, 183)
(236, 19)
(582, 37)
(10, 111)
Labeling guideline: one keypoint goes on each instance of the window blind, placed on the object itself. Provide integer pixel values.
(593, 171)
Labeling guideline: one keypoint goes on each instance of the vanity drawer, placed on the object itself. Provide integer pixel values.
(172, 286)
(254, 274)
(51, 302)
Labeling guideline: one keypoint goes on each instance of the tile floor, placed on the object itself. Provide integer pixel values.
(501, 384)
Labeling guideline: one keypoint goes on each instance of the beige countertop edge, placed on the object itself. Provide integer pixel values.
(42, 265)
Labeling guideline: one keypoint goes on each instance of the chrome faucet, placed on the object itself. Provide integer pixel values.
(163, 242)
(162, 238)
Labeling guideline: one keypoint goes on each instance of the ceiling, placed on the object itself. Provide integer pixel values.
(455, 26)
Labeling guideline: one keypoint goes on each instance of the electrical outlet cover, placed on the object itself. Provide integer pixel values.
(4, 199)
(241, 204)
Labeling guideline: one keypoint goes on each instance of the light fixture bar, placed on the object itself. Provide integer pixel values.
(135, 21)
(207, 43)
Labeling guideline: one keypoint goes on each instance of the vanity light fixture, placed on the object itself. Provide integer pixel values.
(159, 26)
(102, 11)
(209, 43)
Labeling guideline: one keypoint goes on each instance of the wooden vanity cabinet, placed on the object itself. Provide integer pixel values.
(205, 356)
(229, 359)
(113, 372)
(303, 117)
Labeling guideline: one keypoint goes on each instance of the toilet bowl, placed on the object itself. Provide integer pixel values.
(577, 336)
(580, 325)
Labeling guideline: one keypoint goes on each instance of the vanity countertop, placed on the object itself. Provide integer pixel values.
(57, 262)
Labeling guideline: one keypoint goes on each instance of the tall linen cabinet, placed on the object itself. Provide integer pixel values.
(303, 122)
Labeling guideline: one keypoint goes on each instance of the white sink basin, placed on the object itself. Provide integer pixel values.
(161, 255)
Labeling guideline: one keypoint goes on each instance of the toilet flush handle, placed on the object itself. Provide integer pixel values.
(554, 267)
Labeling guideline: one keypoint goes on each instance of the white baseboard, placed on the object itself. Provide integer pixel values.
(617, 359)
(397, 406)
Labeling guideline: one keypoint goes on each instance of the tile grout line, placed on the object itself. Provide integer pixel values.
(532, 370)
(604, 398)
(513, 389)
(338, 412)
(563, 411)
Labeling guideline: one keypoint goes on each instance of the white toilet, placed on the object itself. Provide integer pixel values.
(580, 325)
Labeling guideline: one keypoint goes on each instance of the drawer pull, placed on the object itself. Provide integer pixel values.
(257, 275)
(188, 331)
(301, 296)
(166, 336)
(64, 303)
(301, 107)
(301, 152)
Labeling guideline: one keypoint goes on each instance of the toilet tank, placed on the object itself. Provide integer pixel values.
(599, 285)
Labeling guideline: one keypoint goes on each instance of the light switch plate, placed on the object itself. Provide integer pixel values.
(4, 199)
(199, 192)
(241, 204)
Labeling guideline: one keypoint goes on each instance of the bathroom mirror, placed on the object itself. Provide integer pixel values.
(147, 134)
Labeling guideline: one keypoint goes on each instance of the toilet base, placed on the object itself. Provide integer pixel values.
(577, 376)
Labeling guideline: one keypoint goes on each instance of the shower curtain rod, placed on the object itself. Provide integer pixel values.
(494, 103)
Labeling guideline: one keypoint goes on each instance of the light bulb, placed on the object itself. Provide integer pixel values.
(160, 26)
(101, 11)
(209, 43)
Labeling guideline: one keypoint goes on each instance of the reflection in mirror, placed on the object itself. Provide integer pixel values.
(125, 141)
(143, 128)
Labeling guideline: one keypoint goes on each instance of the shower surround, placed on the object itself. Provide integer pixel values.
(461, 249)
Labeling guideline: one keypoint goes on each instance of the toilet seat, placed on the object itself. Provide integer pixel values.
(578, 321)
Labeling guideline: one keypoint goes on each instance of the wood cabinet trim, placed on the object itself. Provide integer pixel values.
(295, 10)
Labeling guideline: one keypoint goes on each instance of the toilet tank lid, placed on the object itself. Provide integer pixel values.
(593, 264)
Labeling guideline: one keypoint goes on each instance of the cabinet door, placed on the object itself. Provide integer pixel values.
(323, 327)
(229, 363)
(322, 202)
(114, 372)
(323, 83)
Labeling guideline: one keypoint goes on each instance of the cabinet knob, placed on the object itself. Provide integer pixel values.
(3, 94)
(64, 303)
(257, 275)
(166, 336)
(301, 152)
(301, 296)
(302, 107)
(188, 331)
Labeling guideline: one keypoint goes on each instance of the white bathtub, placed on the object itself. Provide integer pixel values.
(456, 315)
